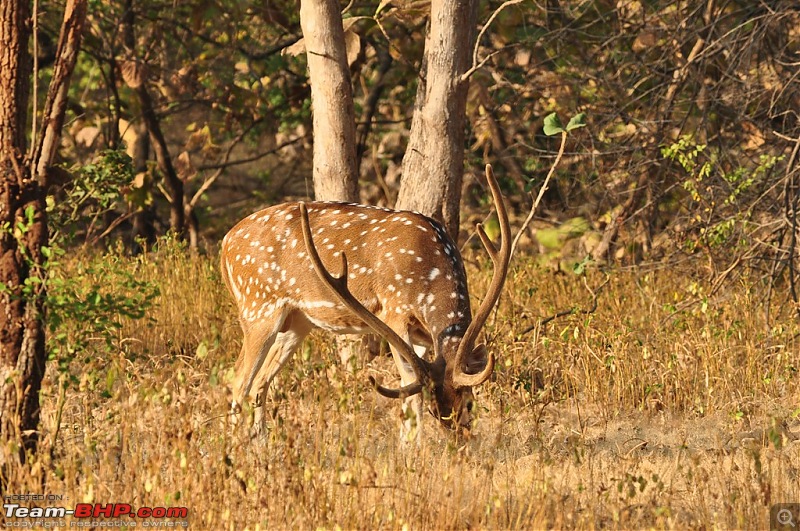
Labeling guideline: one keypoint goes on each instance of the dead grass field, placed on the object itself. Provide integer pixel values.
(662, 409)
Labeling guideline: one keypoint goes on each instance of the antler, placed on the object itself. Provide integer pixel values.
(338, 285)
(500, 259)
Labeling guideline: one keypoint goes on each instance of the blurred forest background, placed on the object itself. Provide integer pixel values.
(692, 106)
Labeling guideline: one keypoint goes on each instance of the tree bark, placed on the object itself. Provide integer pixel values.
(335, 174)
(433, 166)
(56, 103)
(334, 168)
(23, 222)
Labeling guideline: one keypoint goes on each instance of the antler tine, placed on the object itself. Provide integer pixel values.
(487, 243)
(402, 392)
(339, 286)
(500, 259)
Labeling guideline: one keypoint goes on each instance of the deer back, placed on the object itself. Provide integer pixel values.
(403, 267)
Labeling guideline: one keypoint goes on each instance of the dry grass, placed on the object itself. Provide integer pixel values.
(638, 415)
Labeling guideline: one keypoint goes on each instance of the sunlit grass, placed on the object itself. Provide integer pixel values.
(648, 412)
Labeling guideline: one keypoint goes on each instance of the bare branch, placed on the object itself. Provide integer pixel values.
(475, 64)
(542, 190)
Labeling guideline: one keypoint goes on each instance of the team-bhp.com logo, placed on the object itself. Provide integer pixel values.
(87, 515)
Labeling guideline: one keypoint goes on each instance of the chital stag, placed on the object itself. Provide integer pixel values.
(401, 276)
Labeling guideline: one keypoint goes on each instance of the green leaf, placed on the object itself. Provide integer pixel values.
(579, 120)
(580, 267)
(202, 351)
(552, 125)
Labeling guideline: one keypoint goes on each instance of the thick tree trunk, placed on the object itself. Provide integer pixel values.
(23, 223)
(20, 370)
(433, 165)
(335, 176)
(15, 67)
(335, 171)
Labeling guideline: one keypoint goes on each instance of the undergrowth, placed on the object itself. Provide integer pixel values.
(664, 407)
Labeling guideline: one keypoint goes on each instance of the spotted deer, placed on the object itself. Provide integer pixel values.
(400, 276)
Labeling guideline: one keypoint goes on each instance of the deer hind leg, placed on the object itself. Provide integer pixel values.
(295, 328)
(259, 337)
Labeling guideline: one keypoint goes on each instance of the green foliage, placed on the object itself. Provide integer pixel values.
(87, 306)
(553, 125)
(96, 188)
(87, 301)
(686, 153)
(720, 213)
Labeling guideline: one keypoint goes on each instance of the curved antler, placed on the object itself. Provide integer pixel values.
(402, 392)
(338, 285)
(500, 259)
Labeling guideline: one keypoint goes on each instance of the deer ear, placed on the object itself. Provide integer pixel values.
(476, 361)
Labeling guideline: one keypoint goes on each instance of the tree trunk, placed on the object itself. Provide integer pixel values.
(335, 173)
(56, 102)
(134, 74)
(433, 166)
(177, 216)
(335, 177)
(23, 222)
(143, 234)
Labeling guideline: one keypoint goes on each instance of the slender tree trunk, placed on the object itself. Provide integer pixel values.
(177, 218)
(56, 102)
(433, 166)
(335, 176)
(135, 77)
(23, 222)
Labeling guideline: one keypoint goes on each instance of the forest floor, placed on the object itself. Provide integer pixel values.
(666, 407)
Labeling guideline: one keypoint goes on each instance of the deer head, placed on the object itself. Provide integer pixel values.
(399, 275)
